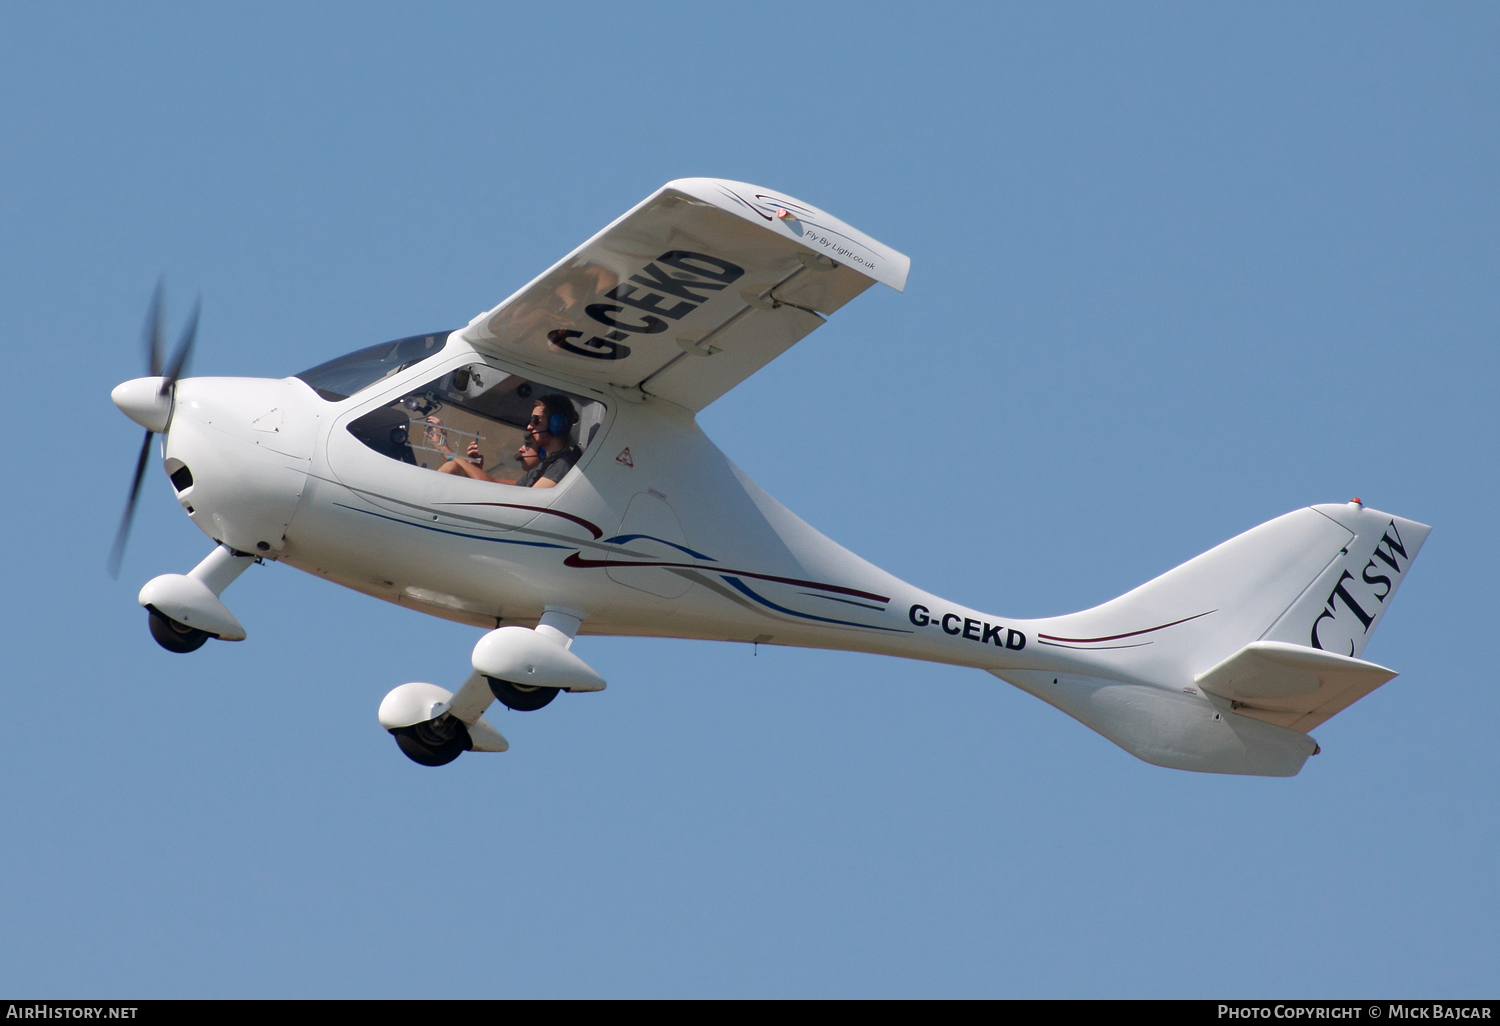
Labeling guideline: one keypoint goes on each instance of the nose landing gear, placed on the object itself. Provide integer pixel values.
(174, 636)
(185, 608)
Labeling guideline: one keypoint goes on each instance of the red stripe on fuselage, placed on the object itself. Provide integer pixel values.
(1128, 634)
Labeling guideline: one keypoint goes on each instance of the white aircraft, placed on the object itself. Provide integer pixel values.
(391, 471)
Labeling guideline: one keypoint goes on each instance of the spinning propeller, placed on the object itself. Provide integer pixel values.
(154, 408)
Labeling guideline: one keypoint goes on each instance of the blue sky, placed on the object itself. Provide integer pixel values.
(1176, 269)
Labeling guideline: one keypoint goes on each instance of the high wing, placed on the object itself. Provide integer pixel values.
(698, 287)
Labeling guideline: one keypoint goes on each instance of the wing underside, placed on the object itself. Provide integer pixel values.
(688, 294)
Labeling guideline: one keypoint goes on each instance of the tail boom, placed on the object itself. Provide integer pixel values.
(1224, 663)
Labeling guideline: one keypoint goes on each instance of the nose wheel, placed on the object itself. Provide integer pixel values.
(174, 636)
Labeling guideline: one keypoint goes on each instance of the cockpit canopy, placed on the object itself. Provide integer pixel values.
(476, 415)
(338, 379)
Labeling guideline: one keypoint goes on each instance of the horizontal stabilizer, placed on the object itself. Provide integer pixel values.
(1291, 685)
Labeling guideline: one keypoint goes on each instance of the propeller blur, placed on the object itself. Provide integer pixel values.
(148, 402)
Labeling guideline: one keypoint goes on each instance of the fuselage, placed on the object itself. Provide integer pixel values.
(654, 531)
(354, 471)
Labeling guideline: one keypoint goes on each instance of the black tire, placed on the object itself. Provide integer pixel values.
(520, 697)
(434, 743)
(174, 636)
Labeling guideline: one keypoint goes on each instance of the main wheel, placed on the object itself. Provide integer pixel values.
(174, 636)
(520, 697)
(435, 742)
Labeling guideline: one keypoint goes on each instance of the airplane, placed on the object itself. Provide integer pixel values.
(393, 471)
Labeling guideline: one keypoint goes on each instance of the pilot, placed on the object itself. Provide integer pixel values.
(546, 456)
(551, 428)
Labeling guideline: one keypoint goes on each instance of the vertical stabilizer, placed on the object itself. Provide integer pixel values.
(1341, 609)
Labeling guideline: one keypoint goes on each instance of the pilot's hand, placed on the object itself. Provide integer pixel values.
(474, 456)
(435, 433)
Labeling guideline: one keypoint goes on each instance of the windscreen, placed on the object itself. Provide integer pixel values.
(338, 379)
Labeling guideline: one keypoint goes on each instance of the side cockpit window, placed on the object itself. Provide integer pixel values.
(487, 425)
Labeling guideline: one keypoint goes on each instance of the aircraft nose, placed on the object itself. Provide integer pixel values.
(142, 401)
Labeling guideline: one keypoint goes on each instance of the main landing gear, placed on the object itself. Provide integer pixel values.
(523, 669)
(518, 696)
(433, 726)
(434, 742)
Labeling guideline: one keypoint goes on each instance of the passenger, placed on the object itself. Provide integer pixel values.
(528, 455)
(545, 457)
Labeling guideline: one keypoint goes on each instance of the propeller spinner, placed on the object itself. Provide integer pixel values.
(148, 401)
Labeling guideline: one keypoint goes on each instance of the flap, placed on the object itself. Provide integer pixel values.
(1290, 685)
(688, 294)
